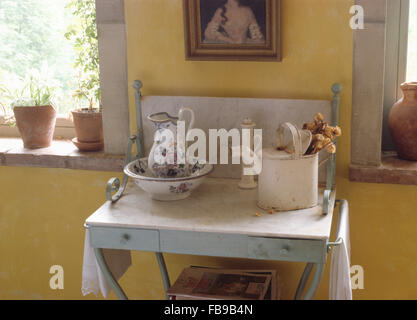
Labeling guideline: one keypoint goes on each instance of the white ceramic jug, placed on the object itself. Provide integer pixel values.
(167, 158)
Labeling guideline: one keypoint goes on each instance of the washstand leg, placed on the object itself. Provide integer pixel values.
(108, 275)
(164, 272)
(311, 291)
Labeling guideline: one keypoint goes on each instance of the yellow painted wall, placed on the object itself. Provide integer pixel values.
(42, 210)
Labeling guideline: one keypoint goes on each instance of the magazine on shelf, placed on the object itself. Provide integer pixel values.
(199, 283)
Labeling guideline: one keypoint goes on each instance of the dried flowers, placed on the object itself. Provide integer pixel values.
(323, 135)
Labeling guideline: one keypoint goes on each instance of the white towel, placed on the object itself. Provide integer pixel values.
(93, 279)
(340, 285)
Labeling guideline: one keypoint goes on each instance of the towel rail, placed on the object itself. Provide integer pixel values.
(341, 222)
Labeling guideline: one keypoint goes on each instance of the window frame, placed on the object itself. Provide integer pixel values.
(112, 43)
(396, 49)
(368, 163)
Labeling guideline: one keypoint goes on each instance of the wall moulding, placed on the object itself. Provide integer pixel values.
(368, 85)
(112, 43)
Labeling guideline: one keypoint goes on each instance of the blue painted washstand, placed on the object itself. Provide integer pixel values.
(137, 223)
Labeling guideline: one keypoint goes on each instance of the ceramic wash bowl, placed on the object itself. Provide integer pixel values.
(166, 189)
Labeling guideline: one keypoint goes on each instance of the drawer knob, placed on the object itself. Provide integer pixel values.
(285, 250)
(126, 237)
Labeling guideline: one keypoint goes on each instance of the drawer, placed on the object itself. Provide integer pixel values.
(124, 238)
(287, 249)
(204, 243)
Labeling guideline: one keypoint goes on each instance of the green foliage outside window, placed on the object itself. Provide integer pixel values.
(54, 41)
(85, 40)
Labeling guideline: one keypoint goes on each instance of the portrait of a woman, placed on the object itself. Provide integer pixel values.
(232, 30)
(233, 21)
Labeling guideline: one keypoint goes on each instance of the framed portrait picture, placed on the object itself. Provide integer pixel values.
(232, 30)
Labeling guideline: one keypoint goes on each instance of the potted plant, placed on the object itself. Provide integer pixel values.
(87, 117)
(87, 120)
(34, 114)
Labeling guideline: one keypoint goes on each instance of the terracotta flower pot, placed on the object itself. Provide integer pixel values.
(402, 122)
(36, 125)
(89, 129)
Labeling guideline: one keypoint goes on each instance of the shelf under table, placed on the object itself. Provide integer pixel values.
(217, 206)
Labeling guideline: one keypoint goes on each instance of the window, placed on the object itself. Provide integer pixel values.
(400, 56)
(379, 65)
(412, 43)
(51, 39)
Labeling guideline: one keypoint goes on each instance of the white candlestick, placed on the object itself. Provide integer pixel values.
(247, 181)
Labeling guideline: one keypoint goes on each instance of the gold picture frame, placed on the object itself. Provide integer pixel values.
(236, 30)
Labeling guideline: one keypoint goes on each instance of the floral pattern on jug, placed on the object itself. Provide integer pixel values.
(164, 156)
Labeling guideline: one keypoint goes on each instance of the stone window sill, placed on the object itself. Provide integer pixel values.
(61, 154)
(392, 170)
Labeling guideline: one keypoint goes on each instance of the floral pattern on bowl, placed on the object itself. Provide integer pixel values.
(166, 189)
(183, 187)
